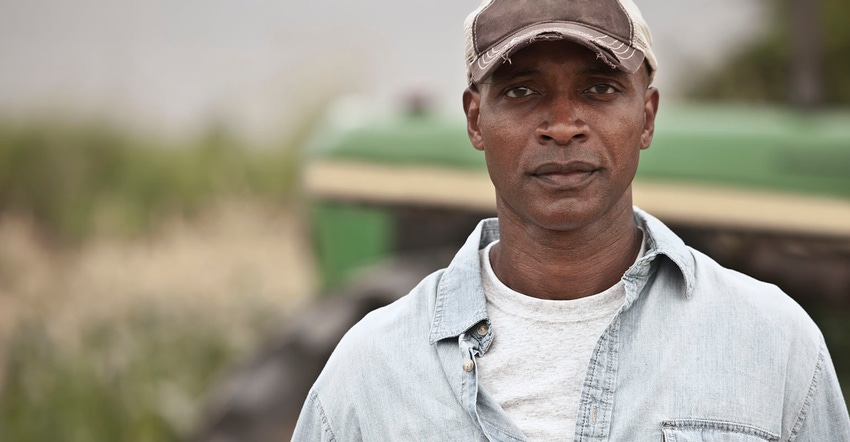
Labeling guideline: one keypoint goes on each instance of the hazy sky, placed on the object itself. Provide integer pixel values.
(173, 65)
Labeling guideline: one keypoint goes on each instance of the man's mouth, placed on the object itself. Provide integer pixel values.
(564, 175)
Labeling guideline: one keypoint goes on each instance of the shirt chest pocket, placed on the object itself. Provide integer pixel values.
(704, 430)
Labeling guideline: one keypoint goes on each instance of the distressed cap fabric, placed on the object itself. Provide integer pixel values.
(614, 29)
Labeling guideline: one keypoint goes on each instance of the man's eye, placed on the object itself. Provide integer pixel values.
(602, 89)
(518, 92)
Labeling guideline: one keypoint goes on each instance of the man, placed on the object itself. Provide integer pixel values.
(575, 316)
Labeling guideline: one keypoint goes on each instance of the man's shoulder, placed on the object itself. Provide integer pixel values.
(762, 305)
(389, 347)
(409, 317)
(709, 284)
(714, 279)
(391, 328)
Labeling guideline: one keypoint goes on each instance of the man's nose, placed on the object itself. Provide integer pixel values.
(562, 122)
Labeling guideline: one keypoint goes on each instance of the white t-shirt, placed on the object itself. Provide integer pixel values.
(541, 348)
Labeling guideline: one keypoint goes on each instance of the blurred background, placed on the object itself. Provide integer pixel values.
(179, 183)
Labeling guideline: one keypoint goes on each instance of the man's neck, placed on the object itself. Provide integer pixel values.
(551, 264)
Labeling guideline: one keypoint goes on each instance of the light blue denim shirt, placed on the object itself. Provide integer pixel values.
(696, 353)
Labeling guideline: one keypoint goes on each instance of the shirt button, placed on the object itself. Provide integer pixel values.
(482, 329)
(467, 365)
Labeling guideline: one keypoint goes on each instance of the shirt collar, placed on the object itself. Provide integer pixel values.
(461, 304)
(660, 240)
(460, 300)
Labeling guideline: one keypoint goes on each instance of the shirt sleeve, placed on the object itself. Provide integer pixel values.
(824, 415)
(312, 423)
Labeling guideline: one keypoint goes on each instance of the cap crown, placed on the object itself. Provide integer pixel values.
(494, 24)
(615, 29)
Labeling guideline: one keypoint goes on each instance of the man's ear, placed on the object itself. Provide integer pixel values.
(471, 107)
(650, 109)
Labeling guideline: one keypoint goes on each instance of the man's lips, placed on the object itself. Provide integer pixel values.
(564, 175)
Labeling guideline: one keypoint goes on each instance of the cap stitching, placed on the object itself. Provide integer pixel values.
(631, 23)
(475, 28)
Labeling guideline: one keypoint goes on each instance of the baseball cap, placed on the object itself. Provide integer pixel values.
(614, 29)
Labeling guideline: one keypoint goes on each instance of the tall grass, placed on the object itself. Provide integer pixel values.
(142, 381)
(73, 180)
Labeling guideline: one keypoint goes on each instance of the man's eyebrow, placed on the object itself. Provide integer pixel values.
(508, 75)
(605, 71)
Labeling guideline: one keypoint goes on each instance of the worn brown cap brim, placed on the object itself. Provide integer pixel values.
(613, 52)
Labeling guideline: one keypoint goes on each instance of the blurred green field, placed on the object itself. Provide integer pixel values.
(133, 272)
(137, 381)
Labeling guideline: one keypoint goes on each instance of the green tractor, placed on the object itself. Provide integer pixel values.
(762, 190)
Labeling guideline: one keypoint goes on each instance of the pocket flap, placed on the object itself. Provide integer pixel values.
(707, 430)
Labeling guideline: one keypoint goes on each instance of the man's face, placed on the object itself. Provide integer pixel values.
(561, 133)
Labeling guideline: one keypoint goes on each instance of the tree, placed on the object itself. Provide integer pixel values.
(763, 72)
